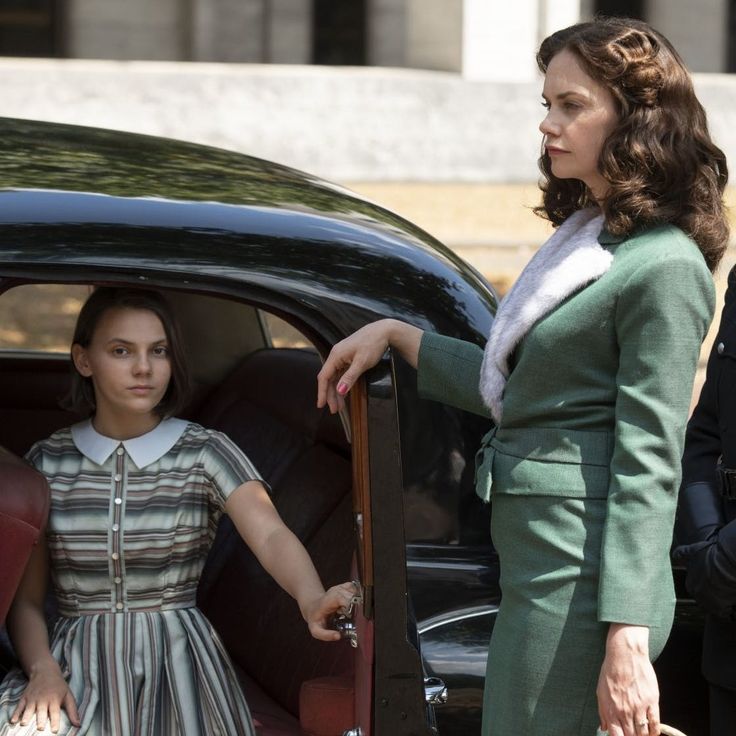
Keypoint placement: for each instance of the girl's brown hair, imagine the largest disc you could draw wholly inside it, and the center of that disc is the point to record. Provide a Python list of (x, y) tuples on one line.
[(81, 396), (660, 162)]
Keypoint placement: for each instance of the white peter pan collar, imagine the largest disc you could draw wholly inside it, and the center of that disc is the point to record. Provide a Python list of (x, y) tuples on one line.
[(142, 450)]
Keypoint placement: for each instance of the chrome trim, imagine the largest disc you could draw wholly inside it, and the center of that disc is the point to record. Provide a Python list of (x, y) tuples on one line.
[(443, 619), (435, 691)]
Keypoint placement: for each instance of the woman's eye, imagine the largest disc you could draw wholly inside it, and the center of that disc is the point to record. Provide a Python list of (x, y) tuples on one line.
[(161, 351), (119, 351), (545, 105)]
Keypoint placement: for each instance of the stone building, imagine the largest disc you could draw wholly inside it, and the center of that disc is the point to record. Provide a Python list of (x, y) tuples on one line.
[(480, 39)]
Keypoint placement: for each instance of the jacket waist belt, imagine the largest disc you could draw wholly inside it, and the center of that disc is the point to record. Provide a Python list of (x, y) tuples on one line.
[(544, 461)]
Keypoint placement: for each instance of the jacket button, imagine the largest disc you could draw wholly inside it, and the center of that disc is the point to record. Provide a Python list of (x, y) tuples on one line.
[(720, 348)]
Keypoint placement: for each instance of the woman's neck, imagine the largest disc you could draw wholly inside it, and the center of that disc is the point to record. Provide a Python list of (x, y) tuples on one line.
[(124, 428)]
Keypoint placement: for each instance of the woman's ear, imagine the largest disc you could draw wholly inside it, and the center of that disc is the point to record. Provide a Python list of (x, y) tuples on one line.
[(79, 358)]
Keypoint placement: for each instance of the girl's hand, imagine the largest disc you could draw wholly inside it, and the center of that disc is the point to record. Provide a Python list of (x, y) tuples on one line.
[(45, 695), (317, 613), (628, 694)]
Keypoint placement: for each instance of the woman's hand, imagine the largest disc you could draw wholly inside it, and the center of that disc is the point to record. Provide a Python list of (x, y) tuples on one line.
[(317, 612), (628, 693), (44, 697), (354, 355)]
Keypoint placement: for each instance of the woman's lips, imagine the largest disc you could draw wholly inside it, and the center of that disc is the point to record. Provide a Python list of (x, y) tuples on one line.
[(552, 151), (141, 389)]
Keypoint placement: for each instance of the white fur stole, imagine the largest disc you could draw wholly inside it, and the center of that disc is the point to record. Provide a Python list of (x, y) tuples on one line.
[(570, 259)]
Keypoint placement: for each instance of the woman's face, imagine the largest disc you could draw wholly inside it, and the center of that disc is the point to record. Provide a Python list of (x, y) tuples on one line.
[(128, 362), (581, 114)]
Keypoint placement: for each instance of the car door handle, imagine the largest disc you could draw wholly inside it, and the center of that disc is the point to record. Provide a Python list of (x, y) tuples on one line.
[(435, 691), (344, 623), (347, 631)]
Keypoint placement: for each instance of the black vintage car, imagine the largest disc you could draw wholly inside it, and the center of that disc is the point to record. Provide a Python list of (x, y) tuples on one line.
[(267, 268)]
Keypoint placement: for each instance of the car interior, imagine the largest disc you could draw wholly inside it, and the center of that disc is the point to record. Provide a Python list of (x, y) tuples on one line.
[(255, 379)]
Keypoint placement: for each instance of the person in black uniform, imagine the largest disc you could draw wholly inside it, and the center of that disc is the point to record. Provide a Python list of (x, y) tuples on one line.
[(706, 528)]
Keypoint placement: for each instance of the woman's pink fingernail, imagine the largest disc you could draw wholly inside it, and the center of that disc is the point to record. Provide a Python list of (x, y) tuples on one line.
[(342, 388)]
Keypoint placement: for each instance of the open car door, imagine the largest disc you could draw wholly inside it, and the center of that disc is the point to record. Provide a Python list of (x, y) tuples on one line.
[(384, 620)]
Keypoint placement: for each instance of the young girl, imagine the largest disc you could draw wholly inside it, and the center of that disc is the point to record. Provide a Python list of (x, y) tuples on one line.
[(135, 499)]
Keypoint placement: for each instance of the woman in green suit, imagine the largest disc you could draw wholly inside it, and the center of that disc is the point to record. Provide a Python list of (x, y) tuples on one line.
[(587, 374)]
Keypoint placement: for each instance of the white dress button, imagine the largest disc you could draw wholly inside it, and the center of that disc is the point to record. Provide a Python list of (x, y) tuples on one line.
[(116, 527), (118, 501), (117, 580), (118, 477), (119, 606), (720, 348), (115, 556), (120, 451)]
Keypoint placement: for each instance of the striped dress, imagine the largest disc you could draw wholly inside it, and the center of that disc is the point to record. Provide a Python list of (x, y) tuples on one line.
[(129, 530)]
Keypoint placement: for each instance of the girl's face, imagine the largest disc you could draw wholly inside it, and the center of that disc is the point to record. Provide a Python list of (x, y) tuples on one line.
[(128, 362), (581, 115)]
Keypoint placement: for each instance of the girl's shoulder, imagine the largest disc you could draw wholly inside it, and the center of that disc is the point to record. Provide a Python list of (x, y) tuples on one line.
[(195, 436), (58, 445)]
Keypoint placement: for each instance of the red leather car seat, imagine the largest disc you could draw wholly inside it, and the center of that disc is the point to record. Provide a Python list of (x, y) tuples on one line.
[(24, 508)]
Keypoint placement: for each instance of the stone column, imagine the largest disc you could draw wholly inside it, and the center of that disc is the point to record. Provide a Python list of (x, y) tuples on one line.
[(434, 37), (387, 32), (228, 30), (698, 30), (290, 32), (500, 40), (135, 29)]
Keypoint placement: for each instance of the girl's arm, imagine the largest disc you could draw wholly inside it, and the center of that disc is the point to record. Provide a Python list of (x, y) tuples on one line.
[(283, 556), (47, 691)]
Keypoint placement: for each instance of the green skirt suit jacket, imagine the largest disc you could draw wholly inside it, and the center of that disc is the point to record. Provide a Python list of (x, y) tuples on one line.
[(583, 470)]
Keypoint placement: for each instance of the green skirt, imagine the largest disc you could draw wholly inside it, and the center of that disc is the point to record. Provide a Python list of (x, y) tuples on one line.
[(547, 645)]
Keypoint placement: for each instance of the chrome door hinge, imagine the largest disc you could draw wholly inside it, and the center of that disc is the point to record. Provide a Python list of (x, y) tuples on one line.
[(435, 691)]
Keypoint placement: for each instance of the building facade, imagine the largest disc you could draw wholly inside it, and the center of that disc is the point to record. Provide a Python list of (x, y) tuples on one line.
[(479, 39)]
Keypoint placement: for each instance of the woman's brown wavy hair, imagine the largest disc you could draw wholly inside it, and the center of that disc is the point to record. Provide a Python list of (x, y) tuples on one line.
[(660, 162)]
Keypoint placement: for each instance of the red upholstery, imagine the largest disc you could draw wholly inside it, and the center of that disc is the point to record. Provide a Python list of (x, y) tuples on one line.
[(24, 507), (269, 717), (327, 706)]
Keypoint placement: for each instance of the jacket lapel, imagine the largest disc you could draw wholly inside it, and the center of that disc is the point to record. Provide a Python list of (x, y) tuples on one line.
[(570, 259)]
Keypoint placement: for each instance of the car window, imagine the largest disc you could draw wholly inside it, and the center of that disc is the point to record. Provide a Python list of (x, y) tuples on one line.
[(281, 334), (40, 317), (438, 446)]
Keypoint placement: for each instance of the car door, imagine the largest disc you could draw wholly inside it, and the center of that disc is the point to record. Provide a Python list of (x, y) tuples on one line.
[(399, 707)]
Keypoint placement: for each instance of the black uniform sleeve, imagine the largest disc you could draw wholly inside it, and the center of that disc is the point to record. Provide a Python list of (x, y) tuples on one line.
[(705, 542)]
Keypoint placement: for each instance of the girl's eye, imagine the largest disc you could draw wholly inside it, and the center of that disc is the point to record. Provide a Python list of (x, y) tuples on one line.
[(161, 351), (545, 105), (119, 351)]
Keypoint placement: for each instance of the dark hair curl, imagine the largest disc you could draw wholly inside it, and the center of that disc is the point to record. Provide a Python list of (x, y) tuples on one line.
[(81, 396), (660, 162)]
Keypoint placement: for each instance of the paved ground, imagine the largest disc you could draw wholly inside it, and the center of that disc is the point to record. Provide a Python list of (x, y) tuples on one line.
[(493, 227)]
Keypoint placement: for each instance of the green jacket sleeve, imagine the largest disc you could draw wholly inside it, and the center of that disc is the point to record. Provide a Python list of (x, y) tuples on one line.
[(662, 315), (448, 370)]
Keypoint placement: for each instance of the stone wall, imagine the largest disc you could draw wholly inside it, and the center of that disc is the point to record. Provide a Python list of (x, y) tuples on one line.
[(341, 123)]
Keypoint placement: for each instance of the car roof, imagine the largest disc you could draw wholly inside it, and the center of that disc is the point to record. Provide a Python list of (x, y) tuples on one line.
[(117, 204)]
